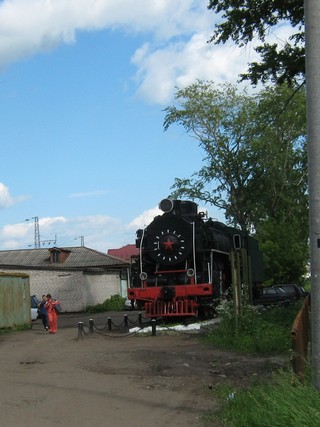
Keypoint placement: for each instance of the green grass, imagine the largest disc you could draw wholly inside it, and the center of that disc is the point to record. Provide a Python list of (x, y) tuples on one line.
[(279, 403), (16, 328), (266, 331)]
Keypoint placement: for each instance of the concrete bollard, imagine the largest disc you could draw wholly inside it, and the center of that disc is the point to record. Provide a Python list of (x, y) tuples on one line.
[(154, 327), (80, 329), (90, 326), (140, 320)]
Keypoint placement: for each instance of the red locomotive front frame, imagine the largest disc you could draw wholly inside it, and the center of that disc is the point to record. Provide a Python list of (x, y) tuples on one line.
[(170, 300)]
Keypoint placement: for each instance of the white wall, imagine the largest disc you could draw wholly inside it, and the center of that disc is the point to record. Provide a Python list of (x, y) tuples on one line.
[(75, 289), (99, 287)]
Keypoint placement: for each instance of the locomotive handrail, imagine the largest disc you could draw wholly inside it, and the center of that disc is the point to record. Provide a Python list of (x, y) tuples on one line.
[(140, 251), (217, 250), (169, 271), (194, 250)]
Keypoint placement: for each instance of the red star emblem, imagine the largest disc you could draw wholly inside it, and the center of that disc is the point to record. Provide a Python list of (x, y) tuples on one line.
[(168, 245)]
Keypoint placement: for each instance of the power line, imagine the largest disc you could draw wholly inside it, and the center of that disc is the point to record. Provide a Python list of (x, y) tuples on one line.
[(37, 241)]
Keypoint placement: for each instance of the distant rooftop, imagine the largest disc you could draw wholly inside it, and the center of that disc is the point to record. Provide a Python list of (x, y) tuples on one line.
[(64, 258), (125, 252)]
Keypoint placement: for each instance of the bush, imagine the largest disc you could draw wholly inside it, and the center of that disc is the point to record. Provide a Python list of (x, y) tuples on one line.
[(266, 331), (114, 303)]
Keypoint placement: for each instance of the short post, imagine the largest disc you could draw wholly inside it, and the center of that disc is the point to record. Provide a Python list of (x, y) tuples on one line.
[(80, 328), (109, 323), (90, 326), (125, 320), (154, 327), (140, 320)]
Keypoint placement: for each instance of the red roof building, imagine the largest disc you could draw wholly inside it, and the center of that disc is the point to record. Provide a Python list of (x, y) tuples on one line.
[(125, 253)]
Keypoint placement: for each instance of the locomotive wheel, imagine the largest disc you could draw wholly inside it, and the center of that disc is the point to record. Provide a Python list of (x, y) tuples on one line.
[(140, 305), (206, 312)]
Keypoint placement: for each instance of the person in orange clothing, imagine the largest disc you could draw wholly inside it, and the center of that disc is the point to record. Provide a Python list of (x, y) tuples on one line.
[(52, 314)]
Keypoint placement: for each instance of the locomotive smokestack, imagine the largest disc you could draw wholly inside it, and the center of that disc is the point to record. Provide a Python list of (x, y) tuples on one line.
[(166, 205), (178, 207)]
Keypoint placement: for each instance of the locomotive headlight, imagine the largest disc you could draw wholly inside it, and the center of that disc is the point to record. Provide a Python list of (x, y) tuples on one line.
[(143, 276), (190, 272)]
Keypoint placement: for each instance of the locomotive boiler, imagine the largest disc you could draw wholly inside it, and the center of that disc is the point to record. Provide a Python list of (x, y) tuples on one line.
[(187, 262)]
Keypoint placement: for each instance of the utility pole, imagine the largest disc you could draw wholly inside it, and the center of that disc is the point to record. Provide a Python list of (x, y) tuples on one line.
[(82, 240), (36, 232), (312, 33)]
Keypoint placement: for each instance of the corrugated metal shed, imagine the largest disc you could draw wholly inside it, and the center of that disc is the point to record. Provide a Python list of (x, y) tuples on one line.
[(14, 300)]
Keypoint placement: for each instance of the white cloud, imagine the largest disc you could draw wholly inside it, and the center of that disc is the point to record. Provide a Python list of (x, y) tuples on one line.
[(29, 27), (99, 232), (89, 194), (15, 231), (180, 64), (6, 199), (48, 222), (176, 54), (144, 219), (21, 235)]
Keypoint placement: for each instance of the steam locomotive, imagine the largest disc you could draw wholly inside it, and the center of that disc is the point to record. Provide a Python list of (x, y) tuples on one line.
[(187, 262)]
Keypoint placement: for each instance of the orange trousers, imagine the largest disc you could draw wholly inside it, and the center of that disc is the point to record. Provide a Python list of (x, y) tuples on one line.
[(53, 321)]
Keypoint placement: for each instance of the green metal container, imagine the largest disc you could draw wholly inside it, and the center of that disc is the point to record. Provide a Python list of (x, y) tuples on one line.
[(14, 300)]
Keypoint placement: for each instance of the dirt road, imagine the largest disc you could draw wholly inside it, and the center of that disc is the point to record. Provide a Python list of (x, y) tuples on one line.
[(97, 380)]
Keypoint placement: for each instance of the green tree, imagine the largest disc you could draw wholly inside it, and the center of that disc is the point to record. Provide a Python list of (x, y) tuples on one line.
[(254, 165), (285, 247), (251, 20), (220, 119)]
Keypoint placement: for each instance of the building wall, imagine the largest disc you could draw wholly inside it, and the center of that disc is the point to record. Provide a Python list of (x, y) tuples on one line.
[(99, 287), (74, 289), (64, 286)]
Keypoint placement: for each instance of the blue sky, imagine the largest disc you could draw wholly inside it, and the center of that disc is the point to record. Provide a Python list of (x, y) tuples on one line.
[(83, 86)]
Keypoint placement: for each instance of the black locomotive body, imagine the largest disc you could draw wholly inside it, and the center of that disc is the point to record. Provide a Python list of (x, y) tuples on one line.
[(185, 263)]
